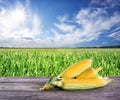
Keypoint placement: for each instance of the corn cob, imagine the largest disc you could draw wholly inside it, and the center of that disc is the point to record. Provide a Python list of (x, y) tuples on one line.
[(81, 84), (76, 69), (90, 73)]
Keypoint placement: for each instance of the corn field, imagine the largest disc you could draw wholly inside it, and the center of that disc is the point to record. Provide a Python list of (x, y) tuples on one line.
[(50, 62)]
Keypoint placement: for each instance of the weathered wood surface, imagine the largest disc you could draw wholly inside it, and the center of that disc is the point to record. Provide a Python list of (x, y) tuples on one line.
[(27, 88)]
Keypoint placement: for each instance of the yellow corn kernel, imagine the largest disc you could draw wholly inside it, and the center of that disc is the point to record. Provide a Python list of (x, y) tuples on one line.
[(76, 69), (90, 73)]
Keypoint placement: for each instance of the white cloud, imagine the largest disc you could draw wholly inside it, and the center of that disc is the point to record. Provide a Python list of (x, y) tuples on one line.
[(54, 31), (62, 19), (18, 23), (115, 35), (116, 29), (90, 24), (65, 27), (36, 25), (105, 3)]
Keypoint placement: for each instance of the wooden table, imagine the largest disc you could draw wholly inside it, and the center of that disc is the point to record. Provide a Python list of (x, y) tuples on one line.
[(27, 88)]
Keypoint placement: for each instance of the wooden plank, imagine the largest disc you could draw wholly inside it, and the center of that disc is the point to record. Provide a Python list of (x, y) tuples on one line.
[(27, 88), (22, 79), (20, 86)]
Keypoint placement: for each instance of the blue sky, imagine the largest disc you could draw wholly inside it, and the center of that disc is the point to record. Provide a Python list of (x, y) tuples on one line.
[(59, 23)]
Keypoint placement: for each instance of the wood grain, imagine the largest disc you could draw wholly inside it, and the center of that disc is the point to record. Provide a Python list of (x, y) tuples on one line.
[(27, 88)]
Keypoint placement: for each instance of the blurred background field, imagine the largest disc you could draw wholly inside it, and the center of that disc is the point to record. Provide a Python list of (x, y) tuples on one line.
[(50, 62)]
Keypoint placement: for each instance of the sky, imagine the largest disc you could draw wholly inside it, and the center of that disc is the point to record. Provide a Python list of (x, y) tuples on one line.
[(59, 23)]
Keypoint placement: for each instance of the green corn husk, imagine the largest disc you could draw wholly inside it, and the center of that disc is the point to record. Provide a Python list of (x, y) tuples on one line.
[(49, 85)]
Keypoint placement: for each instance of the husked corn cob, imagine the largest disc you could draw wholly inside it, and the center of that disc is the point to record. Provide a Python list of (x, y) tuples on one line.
[(90, 73), (80, 84), (76, 69)]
